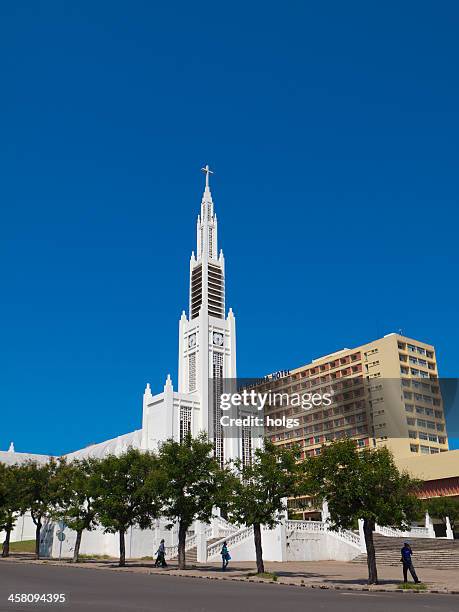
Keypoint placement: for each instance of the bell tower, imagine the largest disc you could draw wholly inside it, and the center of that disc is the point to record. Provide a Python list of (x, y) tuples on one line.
[(207, 336)]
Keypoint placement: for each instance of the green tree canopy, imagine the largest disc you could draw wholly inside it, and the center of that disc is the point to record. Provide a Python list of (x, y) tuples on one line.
[(10, 501), (190, 482), (363, 484), (38, 493), (260, 489), (121, 497), (75, 486)]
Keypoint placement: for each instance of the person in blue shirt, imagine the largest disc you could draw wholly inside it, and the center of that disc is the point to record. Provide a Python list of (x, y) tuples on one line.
[(225, 556), (408, 563)]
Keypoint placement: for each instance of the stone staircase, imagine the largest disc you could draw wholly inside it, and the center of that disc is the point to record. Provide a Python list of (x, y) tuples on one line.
[(427, 552), (191, 555)]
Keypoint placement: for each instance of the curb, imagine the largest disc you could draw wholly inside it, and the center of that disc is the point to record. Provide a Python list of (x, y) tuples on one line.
[(181, 574)]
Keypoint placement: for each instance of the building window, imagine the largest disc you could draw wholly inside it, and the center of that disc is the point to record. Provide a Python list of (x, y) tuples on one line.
[(217, 371), (192, 372), (211, 242), (185, 422), (246, 446)]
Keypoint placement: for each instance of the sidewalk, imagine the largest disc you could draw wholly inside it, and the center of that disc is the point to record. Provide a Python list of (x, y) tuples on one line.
[(313, 574)]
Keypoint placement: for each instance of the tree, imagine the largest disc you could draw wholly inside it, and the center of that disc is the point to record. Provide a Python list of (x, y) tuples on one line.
[(363, 484), (38, 494), (10, 501), (442, 507), (121, 497), (75, 487), (190, 481), (259, 490)]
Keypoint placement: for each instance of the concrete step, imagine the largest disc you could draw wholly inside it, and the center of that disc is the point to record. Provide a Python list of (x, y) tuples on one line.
[(435, 564), (427, 552), (191, 555), (382, 542)]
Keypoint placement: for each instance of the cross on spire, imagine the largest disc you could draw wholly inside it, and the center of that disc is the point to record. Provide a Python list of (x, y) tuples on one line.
[(207, 171)]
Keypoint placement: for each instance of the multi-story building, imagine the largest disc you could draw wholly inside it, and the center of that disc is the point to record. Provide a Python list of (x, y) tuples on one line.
[(385, 392)]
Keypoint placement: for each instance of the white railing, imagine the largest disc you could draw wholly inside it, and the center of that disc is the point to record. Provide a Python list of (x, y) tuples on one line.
[(223, 528), (172, 551), (232, 540), (413, 532), (347, 536), (307, 526), (322, 527)]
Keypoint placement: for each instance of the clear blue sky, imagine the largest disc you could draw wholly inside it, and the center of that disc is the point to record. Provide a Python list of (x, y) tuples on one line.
[(333, 131)]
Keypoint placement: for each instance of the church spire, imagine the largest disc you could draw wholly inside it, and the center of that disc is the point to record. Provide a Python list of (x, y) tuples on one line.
[(207, 288), (207, 171), (207, 223)]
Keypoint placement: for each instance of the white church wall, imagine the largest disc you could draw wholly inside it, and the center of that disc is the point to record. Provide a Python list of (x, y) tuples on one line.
[(139, 543), (303, 546), (24, 529), (94, 542)]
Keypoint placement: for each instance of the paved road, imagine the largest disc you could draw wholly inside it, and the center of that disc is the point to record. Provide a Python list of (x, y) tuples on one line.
[(107, 591)]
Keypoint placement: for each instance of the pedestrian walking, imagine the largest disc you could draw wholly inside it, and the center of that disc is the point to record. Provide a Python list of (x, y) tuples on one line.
[(226, 557), (408, 563), (161, 555)]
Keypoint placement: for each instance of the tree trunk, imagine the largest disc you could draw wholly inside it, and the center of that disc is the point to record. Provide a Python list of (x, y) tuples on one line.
[(122, 562), (6, 544), (37, 538), (76, 550), (181, 546), (258, 548), (371, 555)]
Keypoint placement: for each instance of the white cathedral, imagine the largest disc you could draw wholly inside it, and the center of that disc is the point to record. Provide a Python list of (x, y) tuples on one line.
[(207, 366)]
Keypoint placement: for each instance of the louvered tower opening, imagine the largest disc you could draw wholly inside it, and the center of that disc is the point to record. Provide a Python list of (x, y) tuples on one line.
[(216, 291), (196, 291)]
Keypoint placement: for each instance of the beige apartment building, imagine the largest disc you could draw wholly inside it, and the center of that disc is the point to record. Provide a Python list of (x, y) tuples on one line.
[(385, 392)]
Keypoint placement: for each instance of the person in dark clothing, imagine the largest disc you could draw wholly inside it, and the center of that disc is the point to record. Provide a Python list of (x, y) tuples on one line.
[(408, 563), (161, 555), (225, 556)]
